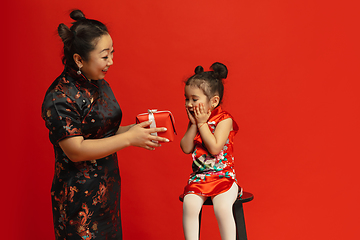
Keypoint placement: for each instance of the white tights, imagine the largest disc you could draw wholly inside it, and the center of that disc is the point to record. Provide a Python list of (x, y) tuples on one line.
[(222, 203)]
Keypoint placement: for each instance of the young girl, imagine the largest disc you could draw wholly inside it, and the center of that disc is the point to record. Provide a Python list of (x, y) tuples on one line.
[(209, 138)]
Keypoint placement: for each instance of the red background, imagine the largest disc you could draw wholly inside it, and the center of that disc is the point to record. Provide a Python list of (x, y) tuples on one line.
[(292, 87)]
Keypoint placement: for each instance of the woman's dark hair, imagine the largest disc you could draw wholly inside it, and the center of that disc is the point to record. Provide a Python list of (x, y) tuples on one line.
[(81, 38), (210, 82)]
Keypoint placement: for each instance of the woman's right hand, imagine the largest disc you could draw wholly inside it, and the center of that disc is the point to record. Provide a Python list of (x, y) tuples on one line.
[(140, 136)]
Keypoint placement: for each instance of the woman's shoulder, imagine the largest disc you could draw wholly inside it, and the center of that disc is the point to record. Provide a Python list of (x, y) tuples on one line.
[(62, 89), (61, 84)]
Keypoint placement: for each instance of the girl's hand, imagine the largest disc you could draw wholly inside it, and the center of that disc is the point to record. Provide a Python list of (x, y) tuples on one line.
[(201, 115), (141, 136), (190, 116)]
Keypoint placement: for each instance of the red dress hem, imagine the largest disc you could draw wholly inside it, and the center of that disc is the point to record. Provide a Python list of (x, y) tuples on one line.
[(212, 189)]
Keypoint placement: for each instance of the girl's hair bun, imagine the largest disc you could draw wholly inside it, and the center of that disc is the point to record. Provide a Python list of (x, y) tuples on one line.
[(210, 82), (199, 69), (220, 70), (77, 15)]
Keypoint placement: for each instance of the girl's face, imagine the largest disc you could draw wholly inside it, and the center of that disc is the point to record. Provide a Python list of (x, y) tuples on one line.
[(194, 96), (100, 59)]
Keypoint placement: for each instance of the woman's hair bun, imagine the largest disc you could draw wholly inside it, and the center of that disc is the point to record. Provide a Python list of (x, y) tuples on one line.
[(199, 69), (64, 32), (220, 70), (77, 15)]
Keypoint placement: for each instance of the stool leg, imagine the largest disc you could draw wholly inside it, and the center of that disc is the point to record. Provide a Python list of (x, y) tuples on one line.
[(240, 221)]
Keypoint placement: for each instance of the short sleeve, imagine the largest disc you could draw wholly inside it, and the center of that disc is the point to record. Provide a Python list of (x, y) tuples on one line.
[(61, 116)]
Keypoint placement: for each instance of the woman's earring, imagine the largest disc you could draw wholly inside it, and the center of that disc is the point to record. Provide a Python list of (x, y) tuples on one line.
[(79, 71)]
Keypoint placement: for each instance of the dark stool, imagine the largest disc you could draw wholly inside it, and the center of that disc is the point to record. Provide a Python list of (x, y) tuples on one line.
[(238, 212)]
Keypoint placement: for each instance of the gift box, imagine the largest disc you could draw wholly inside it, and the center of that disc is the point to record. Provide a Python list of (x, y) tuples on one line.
[(159, 119)]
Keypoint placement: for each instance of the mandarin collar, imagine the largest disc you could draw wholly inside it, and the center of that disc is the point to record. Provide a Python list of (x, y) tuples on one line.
[(81, 79), (215, 112)]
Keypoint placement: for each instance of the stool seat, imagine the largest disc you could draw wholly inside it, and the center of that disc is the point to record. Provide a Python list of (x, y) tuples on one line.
[(238, 213), (246, 197)]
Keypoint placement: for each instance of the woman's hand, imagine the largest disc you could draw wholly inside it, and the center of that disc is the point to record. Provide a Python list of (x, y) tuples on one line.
[(201, 115), (140, 136), (123, 129), (79, 149)]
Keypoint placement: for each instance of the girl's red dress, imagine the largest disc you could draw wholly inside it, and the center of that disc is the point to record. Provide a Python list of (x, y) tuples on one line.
[(213, 174)]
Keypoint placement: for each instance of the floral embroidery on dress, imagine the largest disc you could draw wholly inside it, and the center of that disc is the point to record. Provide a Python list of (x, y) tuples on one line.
[(210, 165), (82, 224)]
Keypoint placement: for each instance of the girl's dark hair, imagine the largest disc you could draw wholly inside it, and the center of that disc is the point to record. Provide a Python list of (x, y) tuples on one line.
[(80, 38), (210, 82)]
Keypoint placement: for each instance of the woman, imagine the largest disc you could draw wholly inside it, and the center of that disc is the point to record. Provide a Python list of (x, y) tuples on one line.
[(83, 118)]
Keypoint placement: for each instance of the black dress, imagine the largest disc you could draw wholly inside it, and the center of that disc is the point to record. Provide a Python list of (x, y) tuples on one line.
[(85, 195)]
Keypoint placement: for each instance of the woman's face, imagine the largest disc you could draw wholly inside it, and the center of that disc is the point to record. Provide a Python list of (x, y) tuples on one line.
[(100, 59)]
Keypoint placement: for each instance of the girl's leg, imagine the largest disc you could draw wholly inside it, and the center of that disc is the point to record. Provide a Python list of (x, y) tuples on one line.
[(223, 208), (192, 205)]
